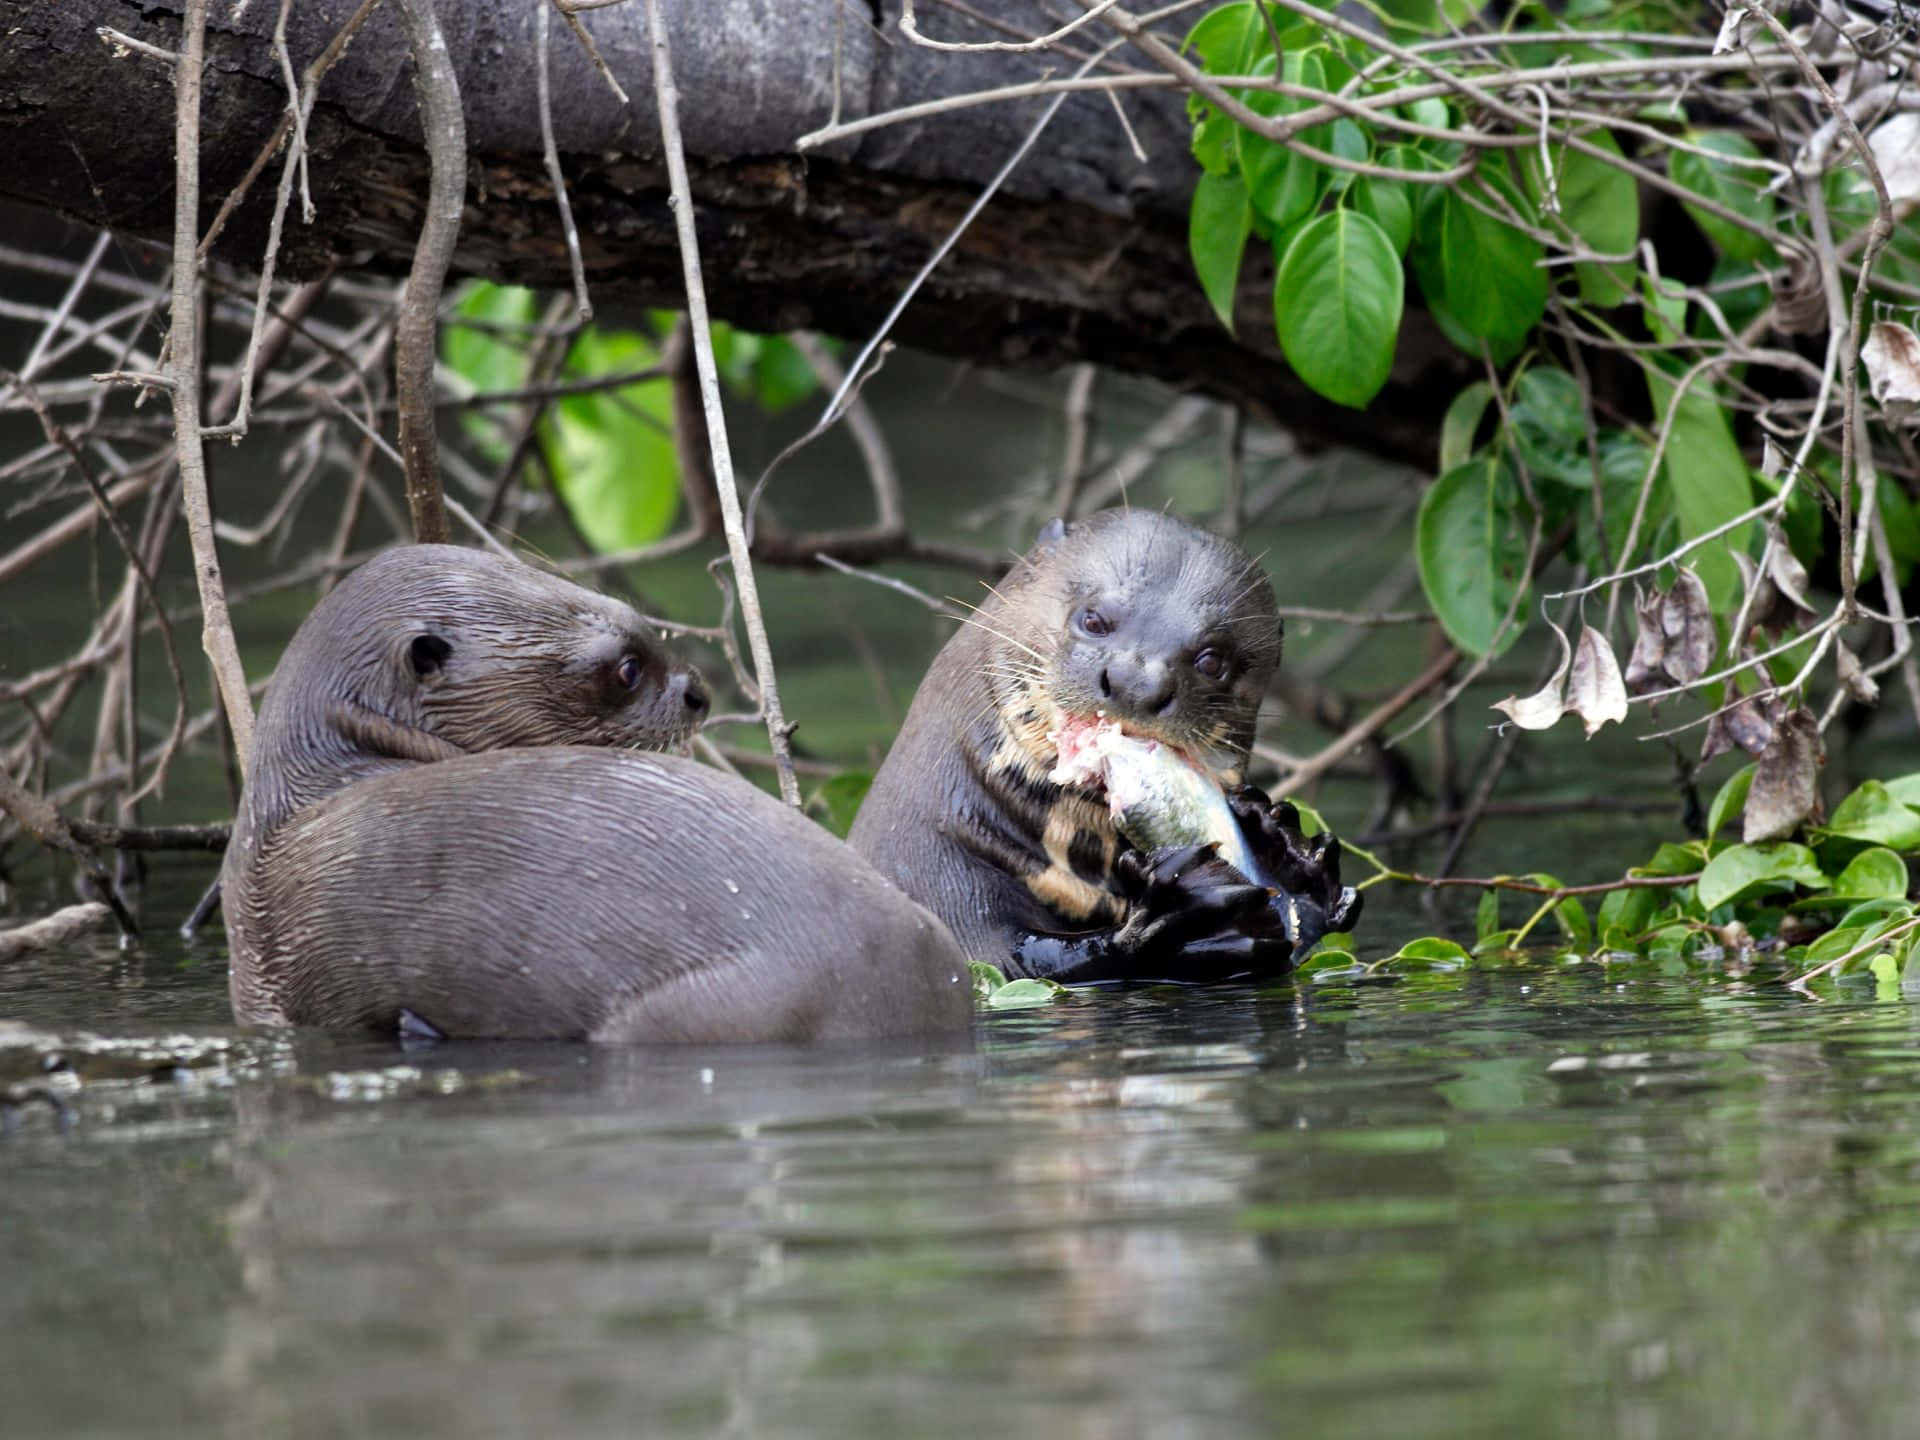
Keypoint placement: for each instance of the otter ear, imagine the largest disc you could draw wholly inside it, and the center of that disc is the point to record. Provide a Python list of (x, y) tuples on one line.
[(426, 654), (1051, 534)]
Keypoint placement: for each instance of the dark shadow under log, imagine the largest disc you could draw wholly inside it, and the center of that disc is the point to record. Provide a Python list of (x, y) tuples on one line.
[(1083, 256)]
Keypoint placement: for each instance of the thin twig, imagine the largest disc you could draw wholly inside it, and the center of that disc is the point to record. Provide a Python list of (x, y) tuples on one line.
[(416, 331), (216, 632), (778, 732)]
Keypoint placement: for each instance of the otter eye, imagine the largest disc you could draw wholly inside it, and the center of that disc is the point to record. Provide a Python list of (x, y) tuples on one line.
[(1212, 663), (1092, 622), (426, 654), (630, 672)]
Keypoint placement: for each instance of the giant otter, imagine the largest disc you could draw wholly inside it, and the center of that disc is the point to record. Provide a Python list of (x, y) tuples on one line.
[(1172, 632), (396, 864)]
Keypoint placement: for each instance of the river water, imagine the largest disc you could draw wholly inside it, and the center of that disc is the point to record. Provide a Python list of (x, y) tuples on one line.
[(1557, 1200), (1546, 1199)]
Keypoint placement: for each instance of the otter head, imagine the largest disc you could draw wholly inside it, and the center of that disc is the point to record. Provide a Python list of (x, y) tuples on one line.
[(428, 651), (1141, 618)]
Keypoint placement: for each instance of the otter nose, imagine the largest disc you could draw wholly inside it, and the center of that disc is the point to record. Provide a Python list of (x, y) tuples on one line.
[(693, 694), (1137, 686)]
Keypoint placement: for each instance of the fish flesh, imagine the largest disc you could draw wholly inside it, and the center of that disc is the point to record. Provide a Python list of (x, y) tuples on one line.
[(1156, 795)]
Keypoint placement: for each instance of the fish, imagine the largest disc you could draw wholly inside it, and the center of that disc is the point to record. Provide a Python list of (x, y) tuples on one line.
[(1157, 796)]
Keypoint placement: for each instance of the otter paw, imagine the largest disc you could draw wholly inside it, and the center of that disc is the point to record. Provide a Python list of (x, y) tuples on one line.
[(1307, 871), (1185, 899)]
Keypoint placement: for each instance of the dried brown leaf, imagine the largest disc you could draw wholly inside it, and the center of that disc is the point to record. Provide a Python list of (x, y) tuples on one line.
[(1540, 709), (1892, 358), (1595, 691), (1896, 150), (1860, 685), (1647, 665), (1785, 791), (1686, 621), (1799, 300)]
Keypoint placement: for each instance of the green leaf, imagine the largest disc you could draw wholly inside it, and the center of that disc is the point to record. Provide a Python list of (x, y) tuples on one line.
[(1490, 274), (1229, 41), (766, 367), (1340, 315), (1623, 470), (1282, 183), (1730, 801), (1549, 426), (1708, 479), (1886, 976), (1739, 188), (1569, 914), (1905, 789), (1871, 813), (838, 799), (488, 362), (1025, 994), (1876, 874), (1217, 230), (1486, 915), (1742, 870), (1432, 950), (1599, 204), (986, 979), (1472, 548), (1625, 913), (1388, 205), (1671, 859), (612, 452), (1462, 422)]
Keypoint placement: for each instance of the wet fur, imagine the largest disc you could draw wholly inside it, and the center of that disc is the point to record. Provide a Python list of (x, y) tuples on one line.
[(445, 815), (962, 815)]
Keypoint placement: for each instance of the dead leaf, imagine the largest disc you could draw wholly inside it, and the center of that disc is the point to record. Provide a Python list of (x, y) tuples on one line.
[(1646, 666), (1595, 691), (1785, 790), (1799, 299), (1860, 685), (1789, 576), (1736, 28), (1896, 150), (1686, 620), (1892, 358), (1540, 709)]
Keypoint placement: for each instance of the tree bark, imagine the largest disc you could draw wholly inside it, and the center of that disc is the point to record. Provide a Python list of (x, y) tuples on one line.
[(1082, 256)]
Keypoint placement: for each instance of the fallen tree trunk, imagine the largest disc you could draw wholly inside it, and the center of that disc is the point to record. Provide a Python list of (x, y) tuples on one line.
[(1081, 256)]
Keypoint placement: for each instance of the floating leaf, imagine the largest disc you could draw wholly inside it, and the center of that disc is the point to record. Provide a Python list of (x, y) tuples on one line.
[(1785, 780), (1892, 357), (1025, 994), (986, 978), (1749, 869), (1540, 709), (1595, 691)]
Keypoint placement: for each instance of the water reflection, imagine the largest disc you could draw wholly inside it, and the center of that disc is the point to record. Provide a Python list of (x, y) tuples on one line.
[(1541, 1203)]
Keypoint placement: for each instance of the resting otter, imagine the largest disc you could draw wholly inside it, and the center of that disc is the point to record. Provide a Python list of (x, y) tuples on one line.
[(1169, 630), (394, 863)]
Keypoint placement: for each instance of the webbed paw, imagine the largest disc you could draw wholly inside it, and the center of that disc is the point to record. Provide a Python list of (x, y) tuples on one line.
[(1306, 871), (1187, 905)]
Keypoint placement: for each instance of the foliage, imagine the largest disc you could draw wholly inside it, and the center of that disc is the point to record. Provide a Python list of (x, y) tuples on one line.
[(1834, 904), (1563, 209), (610, 450)]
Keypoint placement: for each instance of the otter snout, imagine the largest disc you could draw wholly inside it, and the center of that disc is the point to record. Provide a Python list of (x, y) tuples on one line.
[(1139, 686), (692, 691)]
